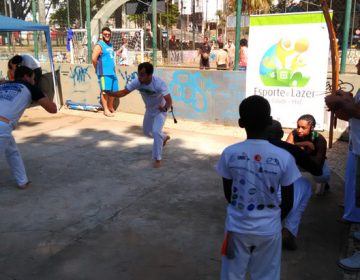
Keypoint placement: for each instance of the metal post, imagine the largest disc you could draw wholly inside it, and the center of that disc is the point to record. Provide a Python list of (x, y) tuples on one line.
[(181, 28), (7, 33), (193, 22), (167, 30), (205, 33), (237, 37), (88, 30), (81, 18), (154, 30), (68, 13), (345, 39), (34, 10)]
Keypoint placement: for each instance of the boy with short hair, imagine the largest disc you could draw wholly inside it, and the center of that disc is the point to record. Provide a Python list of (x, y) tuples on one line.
[(253, 171)]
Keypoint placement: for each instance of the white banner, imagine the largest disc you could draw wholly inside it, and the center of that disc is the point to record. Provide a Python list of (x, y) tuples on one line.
[(287, 64)]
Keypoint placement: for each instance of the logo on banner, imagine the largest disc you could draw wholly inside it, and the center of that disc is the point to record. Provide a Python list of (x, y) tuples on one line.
[(283, 63)]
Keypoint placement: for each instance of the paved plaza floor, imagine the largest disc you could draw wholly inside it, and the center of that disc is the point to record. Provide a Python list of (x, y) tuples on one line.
[(97, 209)]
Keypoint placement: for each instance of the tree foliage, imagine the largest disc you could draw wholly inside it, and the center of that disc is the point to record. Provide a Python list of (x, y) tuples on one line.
[(20, 9), (250, 6), (60, 15), (168, 18)]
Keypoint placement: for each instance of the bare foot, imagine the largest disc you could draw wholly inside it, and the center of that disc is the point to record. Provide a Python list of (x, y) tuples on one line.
[(112, 110), (108, 114), (25, 186), (167, 138), (157, 164)]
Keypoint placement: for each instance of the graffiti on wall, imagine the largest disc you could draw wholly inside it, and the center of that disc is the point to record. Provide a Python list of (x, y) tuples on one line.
[(191, 88), (176, 56), (127, 77), (79, 74)]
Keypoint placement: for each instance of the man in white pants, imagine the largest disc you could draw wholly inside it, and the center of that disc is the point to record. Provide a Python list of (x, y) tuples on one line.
[(15, 97), (157, 101), (347, 108)]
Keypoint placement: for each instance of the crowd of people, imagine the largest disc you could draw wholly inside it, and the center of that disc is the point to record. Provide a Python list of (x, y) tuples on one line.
[(225, 55), (263, 185)]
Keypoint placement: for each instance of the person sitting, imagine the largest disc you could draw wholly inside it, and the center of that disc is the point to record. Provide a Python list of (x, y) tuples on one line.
[(301, 187), (312, 142)]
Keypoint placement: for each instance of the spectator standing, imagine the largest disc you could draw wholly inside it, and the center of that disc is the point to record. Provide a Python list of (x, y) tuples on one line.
[(222, 58), (243, 54), (15, 97), (123, 53), (204, 51), (103, 60), (252, 172), (347, 107), (231, 51)]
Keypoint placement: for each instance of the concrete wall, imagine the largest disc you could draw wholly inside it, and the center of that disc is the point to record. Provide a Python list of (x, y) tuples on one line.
[(209, 96)]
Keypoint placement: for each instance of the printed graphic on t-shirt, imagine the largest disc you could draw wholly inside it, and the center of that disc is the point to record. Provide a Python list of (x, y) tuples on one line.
[(147, 92), (250, 190), (9, 91)]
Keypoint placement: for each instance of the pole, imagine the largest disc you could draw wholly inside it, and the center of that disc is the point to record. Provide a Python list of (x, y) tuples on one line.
[(206, 18), (81, 18), (193, 21), (181, 29), (237, 37), (34, 12), (7, 33), (167, 30), (68, 13), (154, 31), (344, 45), (88, 30)]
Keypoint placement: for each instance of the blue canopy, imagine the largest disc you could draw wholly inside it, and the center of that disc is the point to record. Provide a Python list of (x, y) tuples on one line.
[(13, 24), (8, 24)]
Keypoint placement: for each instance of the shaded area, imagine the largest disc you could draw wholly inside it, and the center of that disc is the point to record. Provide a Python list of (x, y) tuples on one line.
[(98, 210)]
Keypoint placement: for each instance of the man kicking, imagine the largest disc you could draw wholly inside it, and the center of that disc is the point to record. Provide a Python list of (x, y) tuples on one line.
[(157, 101)]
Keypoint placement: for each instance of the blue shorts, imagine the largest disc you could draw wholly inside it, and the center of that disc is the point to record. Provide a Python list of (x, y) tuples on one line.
[(108, 83)]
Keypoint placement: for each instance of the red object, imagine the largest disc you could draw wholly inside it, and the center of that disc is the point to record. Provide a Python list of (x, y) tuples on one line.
[(225, 245)]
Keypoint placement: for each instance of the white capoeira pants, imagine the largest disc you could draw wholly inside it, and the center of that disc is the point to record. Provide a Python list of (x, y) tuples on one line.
[(302, 194), (259, 256), (152, 126), (9, 148), (352, 188)]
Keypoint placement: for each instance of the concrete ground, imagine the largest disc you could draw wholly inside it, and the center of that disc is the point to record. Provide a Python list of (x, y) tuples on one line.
[(97, 209)]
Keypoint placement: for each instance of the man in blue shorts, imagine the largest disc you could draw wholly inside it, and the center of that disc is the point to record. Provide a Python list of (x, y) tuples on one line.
[(104, 63)]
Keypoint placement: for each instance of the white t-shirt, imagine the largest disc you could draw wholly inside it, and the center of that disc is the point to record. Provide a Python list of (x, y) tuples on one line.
[(152, 94), (124, 56), (355, 130), (15, 97), (30, 61), (257, 169)]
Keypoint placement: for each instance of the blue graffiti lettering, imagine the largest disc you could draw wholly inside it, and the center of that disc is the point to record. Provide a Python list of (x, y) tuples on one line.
[(128, 77), (185, 87), (79, 74)]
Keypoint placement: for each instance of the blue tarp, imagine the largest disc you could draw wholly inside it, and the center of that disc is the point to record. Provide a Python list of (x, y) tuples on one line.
[(8, 24), (13, 24)]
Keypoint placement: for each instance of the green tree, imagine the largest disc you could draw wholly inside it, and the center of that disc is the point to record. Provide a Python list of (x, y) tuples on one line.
[(250, 6), (169, 17), (60, 14)]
